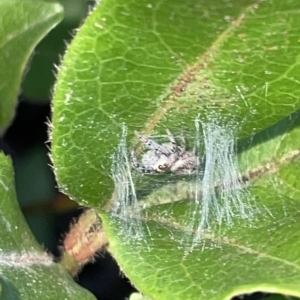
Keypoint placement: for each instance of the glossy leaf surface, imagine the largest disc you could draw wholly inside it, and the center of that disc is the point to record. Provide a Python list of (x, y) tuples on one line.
[(162, 65)]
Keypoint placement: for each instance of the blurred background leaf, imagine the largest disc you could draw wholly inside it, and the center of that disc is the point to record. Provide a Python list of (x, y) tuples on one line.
[(24, 24), (27, 271), (40, 76)]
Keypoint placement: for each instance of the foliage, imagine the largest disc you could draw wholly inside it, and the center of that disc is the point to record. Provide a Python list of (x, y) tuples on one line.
[(27, 271), (20, 32), (149, 66), (156, 65)]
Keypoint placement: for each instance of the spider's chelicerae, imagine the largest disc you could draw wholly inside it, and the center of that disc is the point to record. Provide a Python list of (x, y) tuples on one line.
[(166, 157)]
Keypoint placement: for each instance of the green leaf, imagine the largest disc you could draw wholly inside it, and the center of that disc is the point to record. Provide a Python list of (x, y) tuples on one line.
[(129, 62), (256, 253), (162, 65), (23, 25), (48, 52), (27, 271)]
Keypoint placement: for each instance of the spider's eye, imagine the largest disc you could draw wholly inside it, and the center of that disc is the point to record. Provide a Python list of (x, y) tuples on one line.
[(162, 167)]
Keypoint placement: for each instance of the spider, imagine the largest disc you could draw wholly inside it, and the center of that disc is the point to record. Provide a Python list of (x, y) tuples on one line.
[(166, 157)]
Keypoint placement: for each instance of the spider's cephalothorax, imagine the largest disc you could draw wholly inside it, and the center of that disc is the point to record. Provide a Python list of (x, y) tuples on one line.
[(166, 157)]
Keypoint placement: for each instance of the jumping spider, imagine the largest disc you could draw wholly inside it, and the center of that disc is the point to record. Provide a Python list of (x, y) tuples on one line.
[(166, 157)]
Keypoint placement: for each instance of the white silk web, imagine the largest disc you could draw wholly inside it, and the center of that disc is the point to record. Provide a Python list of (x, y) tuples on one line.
[(217, 194), (220, 194), (125, 202)]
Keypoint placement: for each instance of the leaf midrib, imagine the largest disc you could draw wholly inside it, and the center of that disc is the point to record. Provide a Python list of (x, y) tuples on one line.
[(187, 75)]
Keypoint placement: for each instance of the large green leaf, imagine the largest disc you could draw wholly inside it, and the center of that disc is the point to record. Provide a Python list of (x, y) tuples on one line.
[(146, 66), (23, 25), (26, 270), (256, 253), (129, 62)]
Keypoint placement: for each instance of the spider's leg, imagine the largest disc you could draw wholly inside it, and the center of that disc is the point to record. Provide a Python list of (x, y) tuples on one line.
[(139, 167), (183, 144), (194, 150), (172, 140), (153, 145)]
